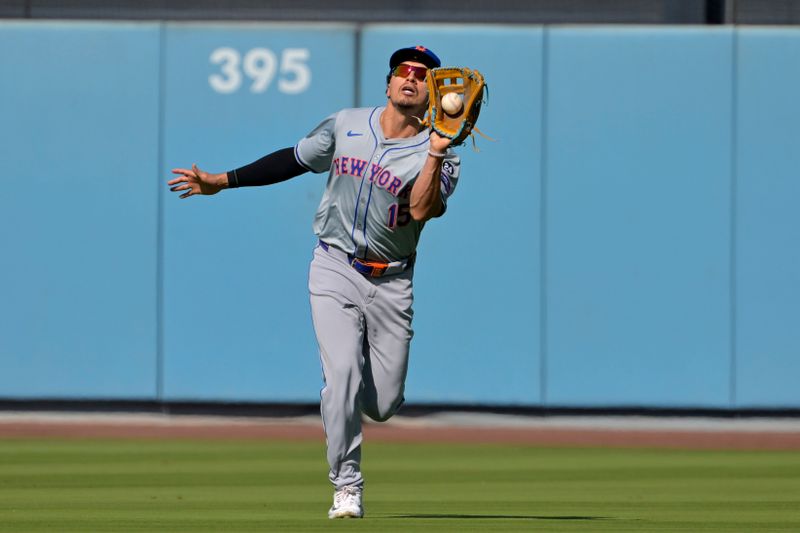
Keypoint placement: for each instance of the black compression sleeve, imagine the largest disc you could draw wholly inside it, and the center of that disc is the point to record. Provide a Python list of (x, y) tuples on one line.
[(273, 168)]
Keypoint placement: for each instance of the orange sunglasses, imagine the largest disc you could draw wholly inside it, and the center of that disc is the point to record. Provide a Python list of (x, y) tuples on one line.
[(402, 70)]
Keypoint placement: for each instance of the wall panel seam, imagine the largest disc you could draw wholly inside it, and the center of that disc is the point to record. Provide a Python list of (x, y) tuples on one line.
[(543, 223), (160, 135), (733, 214)]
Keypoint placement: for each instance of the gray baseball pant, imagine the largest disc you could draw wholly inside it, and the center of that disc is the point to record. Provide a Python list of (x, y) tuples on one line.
[(363, 328)]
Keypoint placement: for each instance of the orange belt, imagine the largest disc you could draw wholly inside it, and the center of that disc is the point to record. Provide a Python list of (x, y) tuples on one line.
[(373, 269)]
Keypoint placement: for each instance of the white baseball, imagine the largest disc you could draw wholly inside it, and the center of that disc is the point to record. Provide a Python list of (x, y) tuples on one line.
[(452, 103)]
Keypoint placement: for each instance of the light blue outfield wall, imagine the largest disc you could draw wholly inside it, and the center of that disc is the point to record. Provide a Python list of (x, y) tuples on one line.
[(78, 209), (768, 218), (236, 314), (638, 170), (630, 239)]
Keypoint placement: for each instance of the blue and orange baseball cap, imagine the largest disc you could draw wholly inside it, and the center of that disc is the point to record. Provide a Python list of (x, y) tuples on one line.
[(419, 54)]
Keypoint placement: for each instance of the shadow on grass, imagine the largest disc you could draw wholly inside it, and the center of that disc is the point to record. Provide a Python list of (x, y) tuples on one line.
[(497, 516)]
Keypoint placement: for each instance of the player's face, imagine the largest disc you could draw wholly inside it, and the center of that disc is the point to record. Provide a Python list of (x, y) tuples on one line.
[(407, 87)]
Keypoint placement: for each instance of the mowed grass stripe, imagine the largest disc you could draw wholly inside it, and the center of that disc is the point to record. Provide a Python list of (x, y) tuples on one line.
[(191, 486)]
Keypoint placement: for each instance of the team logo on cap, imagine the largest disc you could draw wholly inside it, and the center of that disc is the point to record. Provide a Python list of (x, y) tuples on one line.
[(421, 48)]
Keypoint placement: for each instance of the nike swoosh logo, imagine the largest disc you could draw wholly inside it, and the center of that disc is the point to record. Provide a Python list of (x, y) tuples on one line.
[(351, 133)]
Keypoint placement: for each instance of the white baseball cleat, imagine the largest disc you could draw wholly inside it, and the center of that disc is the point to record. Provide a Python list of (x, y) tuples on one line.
[(346, 503)]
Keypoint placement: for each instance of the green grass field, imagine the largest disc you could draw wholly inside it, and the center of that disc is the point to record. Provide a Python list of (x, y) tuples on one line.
[(183, 486)]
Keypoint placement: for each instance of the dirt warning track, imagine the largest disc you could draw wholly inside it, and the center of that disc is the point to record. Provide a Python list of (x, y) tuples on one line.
[(586, 432)]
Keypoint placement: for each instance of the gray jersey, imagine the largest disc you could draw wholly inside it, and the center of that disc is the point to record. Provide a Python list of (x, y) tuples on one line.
[(365, 208)]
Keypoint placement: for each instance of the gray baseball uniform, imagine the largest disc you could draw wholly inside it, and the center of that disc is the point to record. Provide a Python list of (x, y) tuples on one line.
[(362, 313)]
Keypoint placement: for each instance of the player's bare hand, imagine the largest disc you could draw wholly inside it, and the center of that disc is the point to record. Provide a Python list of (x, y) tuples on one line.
[(438, 143), (196, 181)]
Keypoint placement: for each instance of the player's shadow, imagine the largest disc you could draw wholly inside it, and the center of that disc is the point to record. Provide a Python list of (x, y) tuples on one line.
[(496, 516)]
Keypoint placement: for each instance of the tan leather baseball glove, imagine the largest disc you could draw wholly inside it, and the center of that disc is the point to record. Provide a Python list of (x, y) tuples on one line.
[(467, 85)]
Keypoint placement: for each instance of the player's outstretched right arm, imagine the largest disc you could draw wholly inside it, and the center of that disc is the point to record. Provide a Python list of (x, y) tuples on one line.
[(273, 168)]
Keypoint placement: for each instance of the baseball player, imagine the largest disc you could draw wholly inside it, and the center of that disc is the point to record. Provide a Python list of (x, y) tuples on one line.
[(387, 176)]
